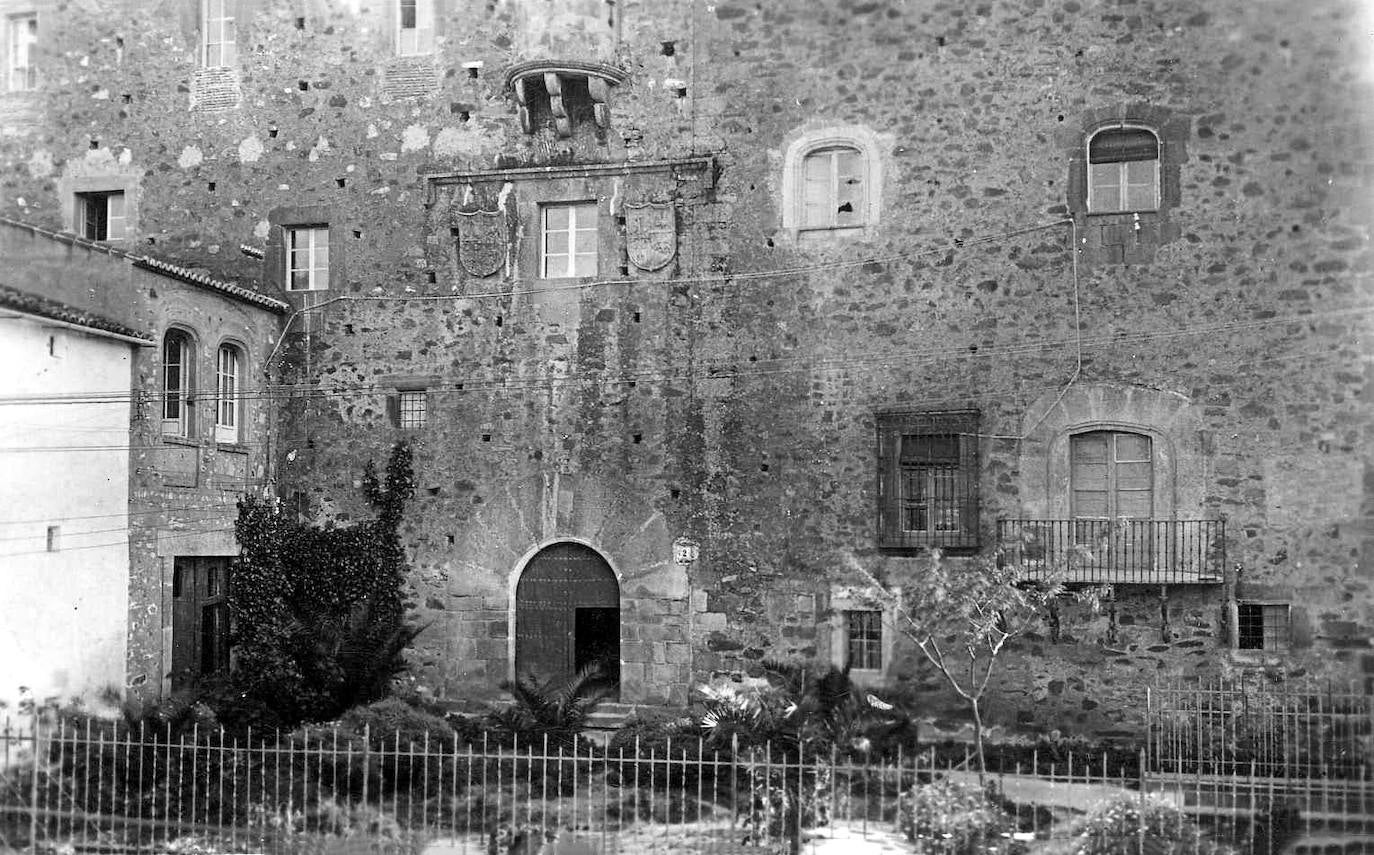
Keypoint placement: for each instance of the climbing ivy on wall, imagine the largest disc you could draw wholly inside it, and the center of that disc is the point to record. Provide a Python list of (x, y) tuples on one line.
[(319, 622)]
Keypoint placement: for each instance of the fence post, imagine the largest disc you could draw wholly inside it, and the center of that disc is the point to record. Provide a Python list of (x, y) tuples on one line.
[(33, 784)]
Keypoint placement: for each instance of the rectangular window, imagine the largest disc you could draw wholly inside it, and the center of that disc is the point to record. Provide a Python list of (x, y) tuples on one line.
[(21, 41), (928, 479), (307, 263), (101, 216), (219, 36), (1263, 626), (864, 634), (411, 409), (569, 244), (833, 189), (176, 383), (414, 27), (227, 395)]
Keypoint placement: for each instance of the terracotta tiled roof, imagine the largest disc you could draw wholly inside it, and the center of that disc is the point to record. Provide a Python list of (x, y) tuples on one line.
[(43, 307), (164, 268)]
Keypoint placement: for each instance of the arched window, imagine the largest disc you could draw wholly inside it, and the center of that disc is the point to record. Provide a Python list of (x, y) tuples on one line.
[(177, 379), (1123, 170), (833, 189), (832, 183), (228, 394)]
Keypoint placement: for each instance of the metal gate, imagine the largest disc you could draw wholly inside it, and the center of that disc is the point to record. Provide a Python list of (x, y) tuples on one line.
[(567, 614)]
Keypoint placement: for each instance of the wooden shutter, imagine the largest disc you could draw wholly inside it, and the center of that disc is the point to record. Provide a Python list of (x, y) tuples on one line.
[(1299, 627), (889, 494), (424, 26), (393, 409)]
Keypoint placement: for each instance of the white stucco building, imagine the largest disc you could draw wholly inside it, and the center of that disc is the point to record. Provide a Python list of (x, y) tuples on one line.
[(64, 497)]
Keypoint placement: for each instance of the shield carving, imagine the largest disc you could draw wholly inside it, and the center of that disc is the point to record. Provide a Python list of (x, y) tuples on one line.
[(651, 232), (482, 241)]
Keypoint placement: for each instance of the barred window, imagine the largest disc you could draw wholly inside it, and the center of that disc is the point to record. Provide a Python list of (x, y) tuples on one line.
[(864, 633), (1263, 626), (928, 479), (411, 409)]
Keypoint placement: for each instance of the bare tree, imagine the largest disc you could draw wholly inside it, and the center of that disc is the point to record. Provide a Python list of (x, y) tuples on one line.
[(961, 618)]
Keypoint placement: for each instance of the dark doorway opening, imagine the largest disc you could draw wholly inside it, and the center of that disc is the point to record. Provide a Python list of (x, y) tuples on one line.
[(596, 641), (200, 618)]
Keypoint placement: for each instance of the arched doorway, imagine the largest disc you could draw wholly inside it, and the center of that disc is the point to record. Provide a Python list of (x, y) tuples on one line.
[(567, 614)]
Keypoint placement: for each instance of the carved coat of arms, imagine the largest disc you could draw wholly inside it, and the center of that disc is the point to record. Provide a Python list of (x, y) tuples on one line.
[(651, 234), (482, 241)]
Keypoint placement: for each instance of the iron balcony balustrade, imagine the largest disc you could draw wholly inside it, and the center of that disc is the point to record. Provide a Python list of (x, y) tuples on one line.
[(1120, 551)]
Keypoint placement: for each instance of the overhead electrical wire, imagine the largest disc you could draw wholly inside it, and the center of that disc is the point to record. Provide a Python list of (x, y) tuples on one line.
[(730, 369)]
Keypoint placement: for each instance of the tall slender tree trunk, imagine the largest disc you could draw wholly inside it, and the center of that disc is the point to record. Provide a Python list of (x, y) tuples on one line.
[(978, 743)]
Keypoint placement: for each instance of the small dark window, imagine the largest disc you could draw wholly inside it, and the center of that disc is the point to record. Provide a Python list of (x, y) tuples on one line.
[(101, 216), (864, 634), (1262, 626)]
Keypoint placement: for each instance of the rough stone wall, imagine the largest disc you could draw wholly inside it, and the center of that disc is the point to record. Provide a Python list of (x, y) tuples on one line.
[(740, 412)]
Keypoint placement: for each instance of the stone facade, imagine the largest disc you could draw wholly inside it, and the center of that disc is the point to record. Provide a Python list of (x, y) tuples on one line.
[(730, 398)]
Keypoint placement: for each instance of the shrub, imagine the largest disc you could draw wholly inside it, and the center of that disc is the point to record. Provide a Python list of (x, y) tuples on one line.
[(1148, 826), (391, 720), (946, 818)]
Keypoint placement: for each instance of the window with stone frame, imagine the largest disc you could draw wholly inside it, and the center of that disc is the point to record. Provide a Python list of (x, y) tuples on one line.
[(414, 27), (1263, 626), (864, 638), (102, 215), (21, 44), (569, 240), (833, 189), (1123, 170), (928, 480), (178, 355), (218, 34), (228, 394), (307, 258)]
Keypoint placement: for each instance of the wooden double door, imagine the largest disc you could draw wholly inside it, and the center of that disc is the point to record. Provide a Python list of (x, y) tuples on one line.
[(1113, 499), (567, 615), (200, 617)]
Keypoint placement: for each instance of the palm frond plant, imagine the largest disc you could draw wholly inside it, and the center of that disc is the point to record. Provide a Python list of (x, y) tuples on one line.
[(556, 710)]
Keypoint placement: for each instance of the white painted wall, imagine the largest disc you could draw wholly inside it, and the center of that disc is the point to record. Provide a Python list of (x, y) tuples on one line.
[(62, 613)]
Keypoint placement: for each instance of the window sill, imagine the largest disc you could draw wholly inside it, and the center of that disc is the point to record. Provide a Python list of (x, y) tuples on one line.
[(868, 678), (172, 439), (231, 447)]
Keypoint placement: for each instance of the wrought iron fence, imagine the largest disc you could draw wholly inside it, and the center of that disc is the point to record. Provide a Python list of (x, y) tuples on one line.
[(1252, 726), (1117, 551), (109, 787)]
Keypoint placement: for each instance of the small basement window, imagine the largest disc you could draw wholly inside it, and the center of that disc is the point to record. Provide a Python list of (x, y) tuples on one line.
[(412, 409), (1263, 626)]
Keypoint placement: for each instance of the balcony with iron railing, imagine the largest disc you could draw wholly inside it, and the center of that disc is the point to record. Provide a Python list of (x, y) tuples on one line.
[(1112, 552)]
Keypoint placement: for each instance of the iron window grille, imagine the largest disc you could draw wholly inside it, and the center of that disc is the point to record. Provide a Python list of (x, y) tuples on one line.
[(1263, 626), (928, 480), (411, 409)]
